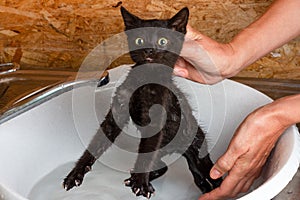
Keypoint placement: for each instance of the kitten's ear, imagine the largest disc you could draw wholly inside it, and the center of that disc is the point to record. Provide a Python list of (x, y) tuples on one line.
[(180, 20), (131, 21)]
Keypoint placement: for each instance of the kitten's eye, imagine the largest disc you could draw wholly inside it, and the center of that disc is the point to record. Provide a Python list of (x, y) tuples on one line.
[(139, 41), (162, 41)]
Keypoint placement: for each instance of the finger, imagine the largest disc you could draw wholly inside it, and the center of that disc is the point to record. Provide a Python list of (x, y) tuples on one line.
[(192, 34), (247, 185), (184, 69), (226, 189), (223, 164), (240, 187), (229, 159), (217, 194), (214, 194), (251, 180), (180, 68), (180, 71)]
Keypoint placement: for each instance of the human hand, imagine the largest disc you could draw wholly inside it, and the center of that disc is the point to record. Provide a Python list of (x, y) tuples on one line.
[(204, 60), (248, 151)]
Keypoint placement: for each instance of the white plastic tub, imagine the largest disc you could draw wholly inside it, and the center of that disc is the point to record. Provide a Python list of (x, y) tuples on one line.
[(39, 146)]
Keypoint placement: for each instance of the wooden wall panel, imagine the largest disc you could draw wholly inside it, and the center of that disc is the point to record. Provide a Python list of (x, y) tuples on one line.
[(57, 34)]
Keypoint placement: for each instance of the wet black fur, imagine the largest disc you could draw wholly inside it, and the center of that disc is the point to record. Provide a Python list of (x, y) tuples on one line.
[(178, 115)]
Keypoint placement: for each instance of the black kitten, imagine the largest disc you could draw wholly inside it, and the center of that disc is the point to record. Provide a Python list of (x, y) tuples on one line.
[(154, 46)]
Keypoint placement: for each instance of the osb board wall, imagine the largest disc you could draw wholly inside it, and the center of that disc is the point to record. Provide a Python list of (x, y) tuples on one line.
[(58, 34)]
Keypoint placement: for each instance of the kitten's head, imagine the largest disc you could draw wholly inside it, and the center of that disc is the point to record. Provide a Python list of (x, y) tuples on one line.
[(155, 41)]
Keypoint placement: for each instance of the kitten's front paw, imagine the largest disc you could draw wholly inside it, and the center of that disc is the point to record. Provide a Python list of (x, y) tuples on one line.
[(75, 178), (139, 186)]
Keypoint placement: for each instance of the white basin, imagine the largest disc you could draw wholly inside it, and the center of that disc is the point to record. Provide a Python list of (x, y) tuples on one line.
[(40, 145)]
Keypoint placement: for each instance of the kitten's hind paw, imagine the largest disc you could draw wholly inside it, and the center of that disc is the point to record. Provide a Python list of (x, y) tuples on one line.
[(75, 178), (139, 187)]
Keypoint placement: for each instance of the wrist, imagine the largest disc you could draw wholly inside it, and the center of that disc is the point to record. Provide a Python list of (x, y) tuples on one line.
[(244, 52), (287, 110), (267, 121), (280, 114), (230, 60)]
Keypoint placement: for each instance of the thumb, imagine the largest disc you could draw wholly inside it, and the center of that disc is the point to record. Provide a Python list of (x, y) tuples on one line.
[(180, 68), (223, 165)]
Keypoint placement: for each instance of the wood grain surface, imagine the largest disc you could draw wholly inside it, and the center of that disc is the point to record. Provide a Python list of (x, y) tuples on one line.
[(58, 34)]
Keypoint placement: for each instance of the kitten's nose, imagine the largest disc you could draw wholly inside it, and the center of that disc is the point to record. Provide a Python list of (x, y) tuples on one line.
[(149, 51)]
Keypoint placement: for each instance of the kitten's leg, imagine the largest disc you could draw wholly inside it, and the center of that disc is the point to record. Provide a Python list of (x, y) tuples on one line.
[(148, 167), (200, 164), (103, 139)]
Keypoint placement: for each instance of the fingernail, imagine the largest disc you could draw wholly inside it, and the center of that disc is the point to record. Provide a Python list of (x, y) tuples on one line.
[(214, 174)]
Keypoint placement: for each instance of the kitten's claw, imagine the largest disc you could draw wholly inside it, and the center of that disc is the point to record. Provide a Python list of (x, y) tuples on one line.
[(88, 168), (137, 191), (77, 183), (65, 187), (148, 195), (139, 186), (127, 182)]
